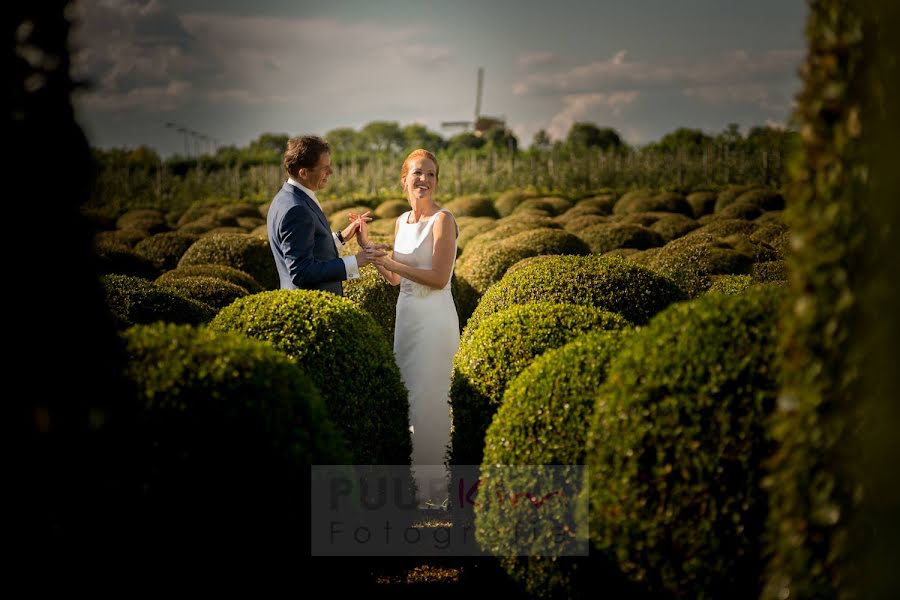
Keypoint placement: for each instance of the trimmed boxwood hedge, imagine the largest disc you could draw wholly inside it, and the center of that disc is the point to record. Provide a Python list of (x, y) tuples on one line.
[(497, 351), (639, 201), (122, 237), (344, 352), (769, 272), (672, 226), (147, 219), (740, 210), (391, 209), (553, 206), (610, 283), (230, 274), (508, 201), (377, 297), (729, 196), (164, 250), (702, 203), (238, 250), (227, 431), (490, 264), (469, 227), (691, 260), (729, 284), (762, 198), (609, 236), (134, 301), (677, 447), (212, 291), (111, 258), (475, 205), (544, 419)]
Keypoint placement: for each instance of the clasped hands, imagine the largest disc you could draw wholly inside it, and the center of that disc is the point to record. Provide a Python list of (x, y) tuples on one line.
[(370, 253)]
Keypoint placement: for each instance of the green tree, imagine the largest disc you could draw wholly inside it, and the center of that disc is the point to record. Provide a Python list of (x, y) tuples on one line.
[(501, 138), (416, 136), (383, 136), (692, 140), (588, 135), (344, 140), (465, 141), (541, 140)]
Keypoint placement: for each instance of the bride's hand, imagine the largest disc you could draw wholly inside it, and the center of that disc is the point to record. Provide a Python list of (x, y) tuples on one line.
[(362, 231)]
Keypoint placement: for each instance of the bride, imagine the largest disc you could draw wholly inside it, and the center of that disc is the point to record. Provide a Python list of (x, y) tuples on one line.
[(426, 334)]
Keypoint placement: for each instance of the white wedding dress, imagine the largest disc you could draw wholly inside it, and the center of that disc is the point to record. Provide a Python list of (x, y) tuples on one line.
[(426, 337)]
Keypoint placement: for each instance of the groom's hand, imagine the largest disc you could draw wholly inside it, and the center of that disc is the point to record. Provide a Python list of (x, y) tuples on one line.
[(353, 227)]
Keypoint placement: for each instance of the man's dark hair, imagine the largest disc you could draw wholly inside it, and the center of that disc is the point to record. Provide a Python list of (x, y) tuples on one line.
[(303, 153)]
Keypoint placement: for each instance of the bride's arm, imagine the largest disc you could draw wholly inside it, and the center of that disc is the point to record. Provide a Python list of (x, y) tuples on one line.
[(442, 259)]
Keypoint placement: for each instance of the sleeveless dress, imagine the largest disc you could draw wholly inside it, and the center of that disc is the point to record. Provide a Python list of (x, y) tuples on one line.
[(426, 337)]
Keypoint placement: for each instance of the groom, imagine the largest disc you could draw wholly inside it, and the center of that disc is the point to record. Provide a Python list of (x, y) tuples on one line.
[(304, 247)]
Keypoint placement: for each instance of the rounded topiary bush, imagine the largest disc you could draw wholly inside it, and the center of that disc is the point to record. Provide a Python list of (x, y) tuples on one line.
[(544, 419), (702, 203), (498, 350), (250, 223), (489, 266), (372, 293), (192, 214), (212, 291), (582, 222), (164, 250), (758, 251), (553, 206), (230, 274), (677, 446), (762, 198), (772, 271), (345, 354), (224, 230), (391, 209), (469, 227), (227, 431), (605, 237), (240, 251), (673, 226), (330, 207), (508, 201), (740, 210), (507, 227), (729, 196), (642, 201), (119, 259), (134, 301), (339, 219), (691, 260), (475, 205), (580, 210), (237, 211), (724, 227), (147, 219), (610, 283), (121, 237), (729, 284)]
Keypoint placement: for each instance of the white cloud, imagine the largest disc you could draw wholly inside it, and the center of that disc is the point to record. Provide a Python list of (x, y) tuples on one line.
[(619, 72), (579, 106), (756, 94), (537, 59)]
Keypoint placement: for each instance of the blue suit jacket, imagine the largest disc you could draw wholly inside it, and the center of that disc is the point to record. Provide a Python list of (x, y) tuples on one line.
[(301, 242)]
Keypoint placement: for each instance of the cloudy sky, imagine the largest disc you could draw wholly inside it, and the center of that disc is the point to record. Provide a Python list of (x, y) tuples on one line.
[(232, 70)]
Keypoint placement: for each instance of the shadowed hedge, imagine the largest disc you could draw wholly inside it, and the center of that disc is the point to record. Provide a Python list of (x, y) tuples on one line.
[(230, 274), (134, 301), (240, 251), (211, 291)]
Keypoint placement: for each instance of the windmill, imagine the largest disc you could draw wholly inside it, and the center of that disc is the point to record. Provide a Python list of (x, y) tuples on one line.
[(481, 124)]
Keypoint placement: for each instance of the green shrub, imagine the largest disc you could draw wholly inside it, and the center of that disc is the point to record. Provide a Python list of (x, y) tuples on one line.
[(677, 446), (330, 207), (729, 196), (343, 351), (391, 209), (673, 226), (136, 301), (582, 222), (740, 210), (475, 205), (640, 201), (240, 251), (580, 210), (147, 219), (769, 271), (762, 198), (212, 291), (192, 214), (702, 203), (605, 237), (609, 283), (543, 420), (111, 258), (489, 266), (373, 294), (772, 217), (758, 251), (237, 211), (508, 201), (223, 230), (121, 237), (508, 227), (229, 274), (262, 232), (495, 352), (691, 260), (553, 206), (469, 227), (164, 250), (603, 202), (729, 284), (250, 223), (227, 431), (725, 227)]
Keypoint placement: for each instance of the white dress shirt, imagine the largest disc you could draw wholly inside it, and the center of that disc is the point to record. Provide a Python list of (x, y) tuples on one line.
[(350, 263)]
